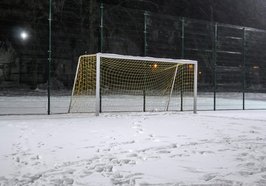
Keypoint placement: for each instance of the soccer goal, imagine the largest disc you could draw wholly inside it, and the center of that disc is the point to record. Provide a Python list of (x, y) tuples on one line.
[(111, 82)]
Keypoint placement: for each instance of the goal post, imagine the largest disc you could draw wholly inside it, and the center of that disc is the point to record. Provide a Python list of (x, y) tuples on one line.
[(111, 82)]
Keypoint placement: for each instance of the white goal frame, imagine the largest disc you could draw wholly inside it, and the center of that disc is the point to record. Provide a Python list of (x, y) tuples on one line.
[(137, 58)]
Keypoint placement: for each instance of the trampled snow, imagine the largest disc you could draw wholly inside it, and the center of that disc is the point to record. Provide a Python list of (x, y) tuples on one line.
[(166, 148)]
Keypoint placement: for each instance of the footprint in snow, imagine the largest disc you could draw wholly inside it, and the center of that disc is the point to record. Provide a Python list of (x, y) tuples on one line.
[(209, 177)]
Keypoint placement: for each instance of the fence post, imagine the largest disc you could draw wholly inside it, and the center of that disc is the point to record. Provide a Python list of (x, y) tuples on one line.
[(214, 56), (145, 53), (182, 56), (101, 46), (244, 66), (182, 37), (145, 32), (101, 26), (49, 59)]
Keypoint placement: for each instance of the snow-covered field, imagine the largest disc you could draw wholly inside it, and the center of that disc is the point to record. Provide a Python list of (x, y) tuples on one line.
[(221, 148)]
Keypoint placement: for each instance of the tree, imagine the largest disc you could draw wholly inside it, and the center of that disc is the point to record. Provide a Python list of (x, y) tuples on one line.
[(7, 57)]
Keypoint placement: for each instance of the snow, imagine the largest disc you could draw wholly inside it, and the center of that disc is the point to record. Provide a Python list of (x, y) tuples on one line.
[(144, 149)]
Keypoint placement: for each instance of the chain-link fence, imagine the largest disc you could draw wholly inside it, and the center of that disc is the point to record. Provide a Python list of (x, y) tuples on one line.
[(231, 58)]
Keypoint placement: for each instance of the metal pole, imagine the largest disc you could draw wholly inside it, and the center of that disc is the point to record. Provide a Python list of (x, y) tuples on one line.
[(244, 66), (144, 100), (183, 38), (101, 49), (145, 32), (101, 26), (50, 56), (182, 56), (145, 53), (214, 54)]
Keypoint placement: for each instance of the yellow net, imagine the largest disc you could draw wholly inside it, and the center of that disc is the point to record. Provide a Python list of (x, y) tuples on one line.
[(83, 93), (133, 85)]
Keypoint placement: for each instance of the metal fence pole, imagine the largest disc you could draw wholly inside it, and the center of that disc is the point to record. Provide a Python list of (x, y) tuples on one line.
[(244, 66), (214, 55), (101, 47), (50, 57), (145, 32), (182, 56), (101, 26), (145, 53), (183, 38)]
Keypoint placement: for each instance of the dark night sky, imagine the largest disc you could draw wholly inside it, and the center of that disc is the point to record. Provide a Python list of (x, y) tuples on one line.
[(251, 13)]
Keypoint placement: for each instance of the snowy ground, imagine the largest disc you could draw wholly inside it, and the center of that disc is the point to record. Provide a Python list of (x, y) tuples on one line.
[(221, 148)]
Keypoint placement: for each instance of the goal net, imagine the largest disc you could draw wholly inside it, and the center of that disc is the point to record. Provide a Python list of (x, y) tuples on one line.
[(111, 82)]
